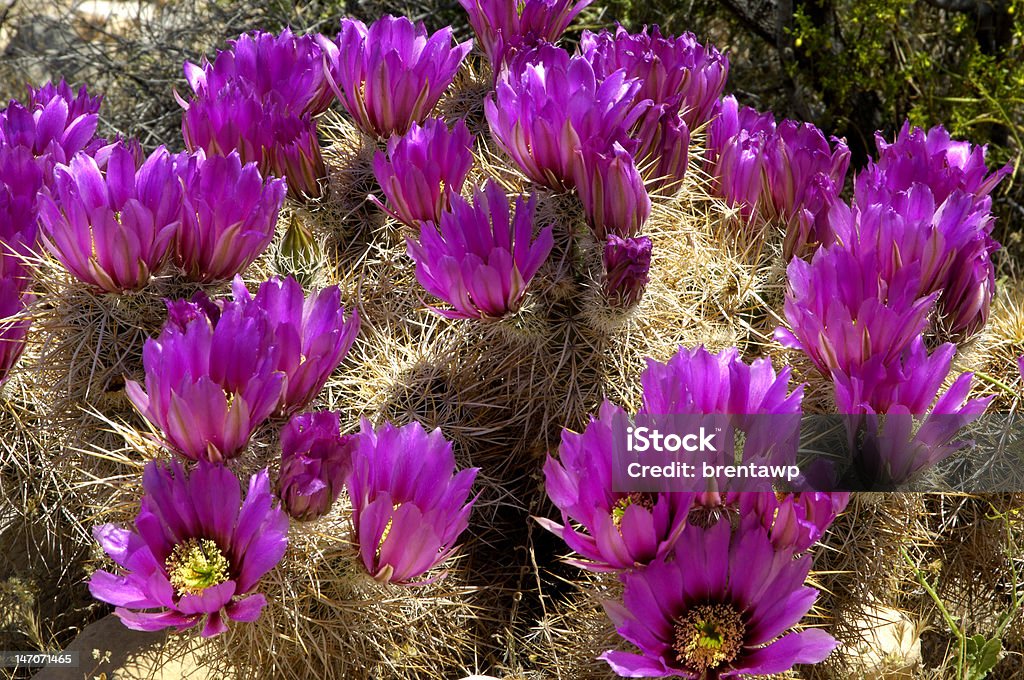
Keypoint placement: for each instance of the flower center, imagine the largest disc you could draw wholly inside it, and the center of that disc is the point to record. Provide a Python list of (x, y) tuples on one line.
[(387, 528), (644, 500), (708, 636), (195, 565)]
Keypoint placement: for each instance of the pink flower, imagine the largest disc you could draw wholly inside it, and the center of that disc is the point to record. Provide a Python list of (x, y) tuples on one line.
[(392, 74), (113, 229), (423, 168), (409, 506), (195, 554), (229, 216), (482, 259)]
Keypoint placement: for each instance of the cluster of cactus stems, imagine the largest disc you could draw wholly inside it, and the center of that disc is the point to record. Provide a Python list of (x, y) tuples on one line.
[(714, 582)]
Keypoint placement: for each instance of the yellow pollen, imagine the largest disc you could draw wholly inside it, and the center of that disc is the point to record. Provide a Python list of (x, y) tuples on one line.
[(195, 565), (387, 527), (709, 636), (644, 500)]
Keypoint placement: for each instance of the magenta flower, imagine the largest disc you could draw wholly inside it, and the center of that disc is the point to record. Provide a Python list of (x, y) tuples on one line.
[(79, 103), (503, 27), (920, 423), (663, 149), (482, 259), (54, 124), (951, 171), (696, 381), (612, 191), (195, 554), (739, 172), (228, 218), (285, 69), (809, 227), (315, 460), (724, 607), (391, 74), (295, 155), (610, 530), (422, 169), (112, 230), (1020, 366), (793, 521), (730, 119), (736, 150), (210, 382), (930, 158), (14, 325), (21, 179), (803, 151), (282, 143), (908, 383), (549, 106), (409, 506), (180, 313), (231, 119), (805, 175), (312, 335), (787, 172), (627, 262), (260, 98), (951, 243), (678, 74), (842, 313)]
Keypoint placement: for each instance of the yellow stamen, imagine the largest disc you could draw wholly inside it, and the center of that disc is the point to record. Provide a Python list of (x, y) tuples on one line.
[(387, 527), (195, 565), (644, 500), (709, 636)]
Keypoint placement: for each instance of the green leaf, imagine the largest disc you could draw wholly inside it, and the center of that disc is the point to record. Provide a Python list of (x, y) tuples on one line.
[(980, 656)]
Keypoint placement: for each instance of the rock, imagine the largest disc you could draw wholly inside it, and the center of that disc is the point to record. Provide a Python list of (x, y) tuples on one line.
[(108, 650), (889, 648)]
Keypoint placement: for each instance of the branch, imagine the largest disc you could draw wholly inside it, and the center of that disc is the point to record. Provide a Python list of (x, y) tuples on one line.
[(957, 5), (758, 16)]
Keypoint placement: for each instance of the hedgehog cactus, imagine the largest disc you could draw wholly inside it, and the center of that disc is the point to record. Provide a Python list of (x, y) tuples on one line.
[(422, 379)]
